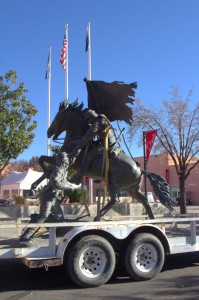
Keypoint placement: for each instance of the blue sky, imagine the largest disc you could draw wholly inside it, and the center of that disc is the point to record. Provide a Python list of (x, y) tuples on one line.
[(153, 42)]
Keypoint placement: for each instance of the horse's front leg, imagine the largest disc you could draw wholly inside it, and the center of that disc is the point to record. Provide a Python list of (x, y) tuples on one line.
[(50, 160), (47, 172)]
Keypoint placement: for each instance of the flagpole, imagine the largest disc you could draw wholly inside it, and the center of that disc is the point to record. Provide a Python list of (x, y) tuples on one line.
[(66, 69), (89, 50), (89, 78), (49, 98)]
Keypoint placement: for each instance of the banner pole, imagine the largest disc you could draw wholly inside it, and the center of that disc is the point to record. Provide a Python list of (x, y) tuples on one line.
[(145, 163)]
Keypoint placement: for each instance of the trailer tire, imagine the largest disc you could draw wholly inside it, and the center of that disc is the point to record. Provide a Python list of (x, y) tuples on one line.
[(91, 261), (144, 257)]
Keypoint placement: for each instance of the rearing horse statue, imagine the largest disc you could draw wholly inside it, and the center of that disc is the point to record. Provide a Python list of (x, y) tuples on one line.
[(124, 173)]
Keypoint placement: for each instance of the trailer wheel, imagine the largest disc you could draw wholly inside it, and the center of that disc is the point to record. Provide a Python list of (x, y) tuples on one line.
[(144, 257), (91, 261)]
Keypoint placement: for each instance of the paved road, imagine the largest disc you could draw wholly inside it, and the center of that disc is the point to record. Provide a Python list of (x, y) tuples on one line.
[(178, 280)]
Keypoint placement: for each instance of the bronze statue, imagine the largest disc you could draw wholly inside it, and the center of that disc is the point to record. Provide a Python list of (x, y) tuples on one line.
[(109, 101), (48, 197), (124, 173)]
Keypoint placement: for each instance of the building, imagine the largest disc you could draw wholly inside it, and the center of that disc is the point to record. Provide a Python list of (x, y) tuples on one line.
[(19, 183), (163, 165)]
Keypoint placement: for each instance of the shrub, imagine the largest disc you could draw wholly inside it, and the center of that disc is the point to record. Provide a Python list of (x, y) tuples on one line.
[(77, 196), (19, 200)]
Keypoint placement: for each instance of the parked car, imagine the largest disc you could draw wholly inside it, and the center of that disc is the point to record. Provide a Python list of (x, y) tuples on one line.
[(7, 202)]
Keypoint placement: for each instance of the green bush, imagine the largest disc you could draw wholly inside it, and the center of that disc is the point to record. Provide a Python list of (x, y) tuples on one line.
[(77, 196), (19, 200)]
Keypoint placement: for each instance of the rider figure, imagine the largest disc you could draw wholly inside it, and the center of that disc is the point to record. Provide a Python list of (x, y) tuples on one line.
[(49, 195), (99, 128)]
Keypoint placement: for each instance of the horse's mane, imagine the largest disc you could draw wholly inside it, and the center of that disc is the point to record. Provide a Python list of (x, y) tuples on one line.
[(74, 107)]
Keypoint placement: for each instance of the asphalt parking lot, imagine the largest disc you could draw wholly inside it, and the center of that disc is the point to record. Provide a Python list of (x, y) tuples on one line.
[(179, 279)]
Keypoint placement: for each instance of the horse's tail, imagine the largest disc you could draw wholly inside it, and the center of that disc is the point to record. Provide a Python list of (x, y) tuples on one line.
[(161, 189)]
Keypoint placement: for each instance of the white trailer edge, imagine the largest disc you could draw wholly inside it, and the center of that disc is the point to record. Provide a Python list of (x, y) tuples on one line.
[(88, 250)]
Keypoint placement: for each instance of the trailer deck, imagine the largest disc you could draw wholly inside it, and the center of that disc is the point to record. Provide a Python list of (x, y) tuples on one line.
[(83, 246), (178, 226)]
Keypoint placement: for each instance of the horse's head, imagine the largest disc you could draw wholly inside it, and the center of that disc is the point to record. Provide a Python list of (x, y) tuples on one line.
[(58, 125), (70, 118)]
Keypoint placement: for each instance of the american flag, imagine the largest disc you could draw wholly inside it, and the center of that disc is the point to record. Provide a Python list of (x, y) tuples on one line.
[(63, 53)]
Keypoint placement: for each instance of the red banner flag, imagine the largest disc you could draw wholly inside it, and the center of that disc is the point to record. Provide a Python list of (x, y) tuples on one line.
[(149, 140)]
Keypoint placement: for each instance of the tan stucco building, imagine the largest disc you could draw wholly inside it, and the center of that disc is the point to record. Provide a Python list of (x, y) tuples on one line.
[(163, 165)]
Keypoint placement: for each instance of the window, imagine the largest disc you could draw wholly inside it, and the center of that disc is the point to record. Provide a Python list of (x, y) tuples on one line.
[(6, 194)]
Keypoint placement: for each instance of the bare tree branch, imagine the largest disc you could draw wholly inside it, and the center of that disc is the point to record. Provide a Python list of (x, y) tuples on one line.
[(176, 121)]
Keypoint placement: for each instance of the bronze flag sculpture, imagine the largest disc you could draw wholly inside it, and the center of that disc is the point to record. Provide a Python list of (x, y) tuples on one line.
[(112, 101)]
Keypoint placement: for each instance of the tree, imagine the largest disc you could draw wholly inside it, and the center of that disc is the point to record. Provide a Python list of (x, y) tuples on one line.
[(16, 124), (34, 164), (178, 133), (23, 165)]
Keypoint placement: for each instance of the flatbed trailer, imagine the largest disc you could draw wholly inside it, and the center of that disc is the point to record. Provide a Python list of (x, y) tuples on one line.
[(88, 250)]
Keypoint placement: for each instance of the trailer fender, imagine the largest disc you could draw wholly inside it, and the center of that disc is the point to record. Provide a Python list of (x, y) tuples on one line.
[(67, 238)]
